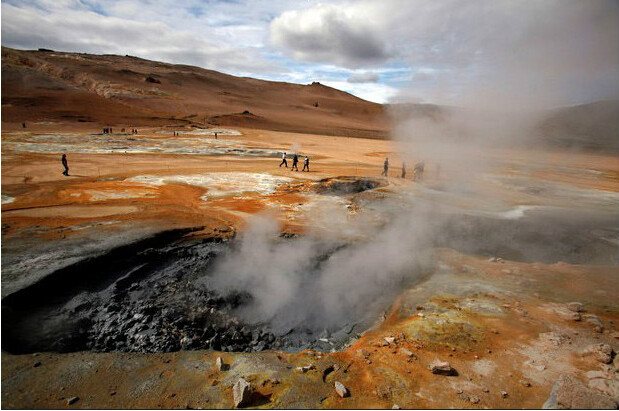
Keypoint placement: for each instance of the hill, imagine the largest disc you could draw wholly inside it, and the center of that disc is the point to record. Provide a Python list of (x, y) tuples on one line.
[(592, 126), (124, 90)]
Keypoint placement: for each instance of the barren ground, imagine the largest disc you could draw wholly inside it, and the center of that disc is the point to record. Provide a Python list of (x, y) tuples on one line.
[(503, 324)]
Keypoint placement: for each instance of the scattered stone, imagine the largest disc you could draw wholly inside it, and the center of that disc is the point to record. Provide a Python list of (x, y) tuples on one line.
[(406, 352), (421, 315), (459, 391), (419, 307), (476, 357), (464, 397), (441, 368), (615, 335), (608, 387), (390, 340), (305, 368), (598, 329), (601, 352), (112, 393), (576, 307), (484, 389), (474, 399), (395, 407), (525, 383), (504, 394), (241, 392), (37, 364), (72, 400), (569, 393), (489, 351), (494, 331), (219, 363), (593, 319), (341, 390)]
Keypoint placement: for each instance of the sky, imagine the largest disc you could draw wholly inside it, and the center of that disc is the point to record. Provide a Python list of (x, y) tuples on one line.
[(543, 52)]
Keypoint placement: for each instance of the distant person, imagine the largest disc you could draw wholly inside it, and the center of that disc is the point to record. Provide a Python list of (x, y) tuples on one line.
[(418, 171), (385, 167), (215, 135), (23, 125), (284, 161), (403, 169), (295, 162), (65, 165), (306, 164)]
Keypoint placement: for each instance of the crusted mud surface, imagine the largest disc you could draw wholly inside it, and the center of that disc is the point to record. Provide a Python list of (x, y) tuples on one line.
[(106, 299)]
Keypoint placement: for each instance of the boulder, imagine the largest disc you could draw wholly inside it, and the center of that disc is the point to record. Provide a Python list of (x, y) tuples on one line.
[(390, 340), (406, 352), (305, 368), (601, 352), (441, 368), (576, 307), (241, 392), (569, 393), (341, 390), (608, 387), (219, 363)]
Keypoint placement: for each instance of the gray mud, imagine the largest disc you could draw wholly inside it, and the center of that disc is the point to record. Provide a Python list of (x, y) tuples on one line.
[(147, 297)]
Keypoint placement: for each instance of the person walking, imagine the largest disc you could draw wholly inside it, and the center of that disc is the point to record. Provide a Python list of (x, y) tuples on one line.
[(418, 171), (65, 164), (385, 167), (306, 164), (403, 169), (295, 162), (284, 162)]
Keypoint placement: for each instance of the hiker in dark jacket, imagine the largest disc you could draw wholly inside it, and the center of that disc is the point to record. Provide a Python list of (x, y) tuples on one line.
[(65, 165), (295, 162)]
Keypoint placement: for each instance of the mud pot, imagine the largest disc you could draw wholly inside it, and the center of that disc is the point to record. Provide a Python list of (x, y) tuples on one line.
[(154, 295)]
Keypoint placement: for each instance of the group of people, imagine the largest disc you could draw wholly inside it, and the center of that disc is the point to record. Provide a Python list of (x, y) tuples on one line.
[(417, 171), (295, 162), (110, 130)]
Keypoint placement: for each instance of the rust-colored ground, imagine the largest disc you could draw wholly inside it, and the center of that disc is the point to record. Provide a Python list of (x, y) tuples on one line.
[(497, 338)]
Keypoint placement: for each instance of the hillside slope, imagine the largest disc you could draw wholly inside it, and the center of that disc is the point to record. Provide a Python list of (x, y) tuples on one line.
[(592, 126), (117, 90)]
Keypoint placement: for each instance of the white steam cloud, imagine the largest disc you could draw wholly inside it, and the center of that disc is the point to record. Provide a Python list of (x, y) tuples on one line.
[(318, 281)]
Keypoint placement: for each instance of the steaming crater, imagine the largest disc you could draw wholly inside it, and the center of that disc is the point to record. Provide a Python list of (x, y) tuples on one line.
[(156, 296), (261, 291)]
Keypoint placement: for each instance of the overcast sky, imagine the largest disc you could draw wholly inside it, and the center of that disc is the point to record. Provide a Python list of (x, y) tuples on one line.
[(542, 52)]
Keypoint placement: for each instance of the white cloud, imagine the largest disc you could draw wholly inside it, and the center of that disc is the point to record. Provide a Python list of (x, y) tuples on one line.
[(127, 27), (329, 32), (542, 52), (366, 77)]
